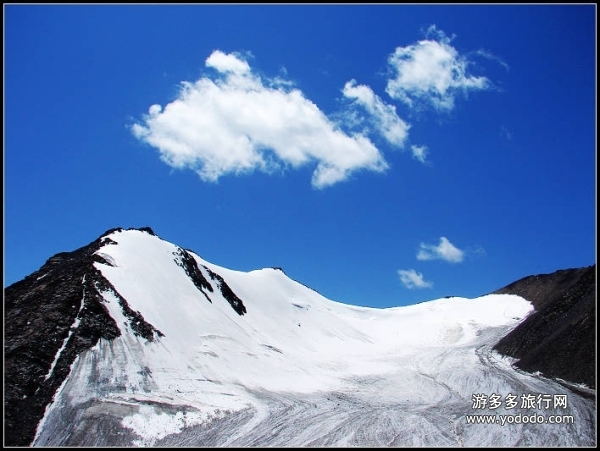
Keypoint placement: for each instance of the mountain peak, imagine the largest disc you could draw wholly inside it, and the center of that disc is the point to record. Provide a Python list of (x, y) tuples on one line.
[(121, 229)]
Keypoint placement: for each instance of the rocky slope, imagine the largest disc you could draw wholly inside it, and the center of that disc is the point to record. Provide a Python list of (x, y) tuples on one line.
[(55, 314), (559, 338)]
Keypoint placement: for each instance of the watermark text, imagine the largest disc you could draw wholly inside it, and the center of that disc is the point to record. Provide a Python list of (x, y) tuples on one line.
[(519, 418)]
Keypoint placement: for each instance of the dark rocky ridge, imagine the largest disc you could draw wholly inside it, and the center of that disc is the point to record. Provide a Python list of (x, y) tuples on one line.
[(235, 302), (61, 306), (40, 313), (559, 338), (189, 265)]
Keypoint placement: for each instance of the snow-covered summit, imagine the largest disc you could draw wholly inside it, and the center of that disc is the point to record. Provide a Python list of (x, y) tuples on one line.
[(290, 336)]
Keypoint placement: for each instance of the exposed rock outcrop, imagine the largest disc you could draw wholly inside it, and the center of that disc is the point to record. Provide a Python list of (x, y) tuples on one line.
[(235, 302), (51, 316), (558, 339)]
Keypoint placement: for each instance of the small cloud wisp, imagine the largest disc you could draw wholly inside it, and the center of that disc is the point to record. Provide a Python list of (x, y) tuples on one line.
[(444, 251), (413, 279)]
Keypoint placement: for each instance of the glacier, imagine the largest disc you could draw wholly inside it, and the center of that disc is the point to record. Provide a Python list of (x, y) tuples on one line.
[(295, 368)]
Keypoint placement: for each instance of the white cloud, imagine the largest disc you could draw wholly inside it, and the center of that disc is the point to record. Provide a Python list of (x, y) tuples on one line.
[(413, 279), (239, 122), (419, 153), (443, 251), (225, 63), (382, 115), (431, 72)]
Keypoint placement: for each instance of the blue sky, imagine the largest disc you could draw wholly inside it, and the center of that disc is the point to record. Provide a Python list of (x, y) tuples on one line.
[(382, 155)]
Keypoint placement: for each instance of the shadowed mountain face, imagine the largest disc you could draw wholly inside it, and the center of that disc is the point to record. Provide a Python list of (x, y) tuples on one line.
[(132, 340), (56, 313), (55, 308), (559, 338)]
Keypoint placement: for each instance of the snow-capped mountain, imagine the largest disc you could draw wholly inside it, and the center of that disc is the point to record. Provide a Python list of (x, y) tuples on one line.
[(133, 340)]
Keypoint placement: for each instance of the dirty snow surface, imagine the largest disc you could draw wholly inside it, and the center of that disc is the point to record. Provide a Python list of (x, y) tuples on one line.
[(298, 369)]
